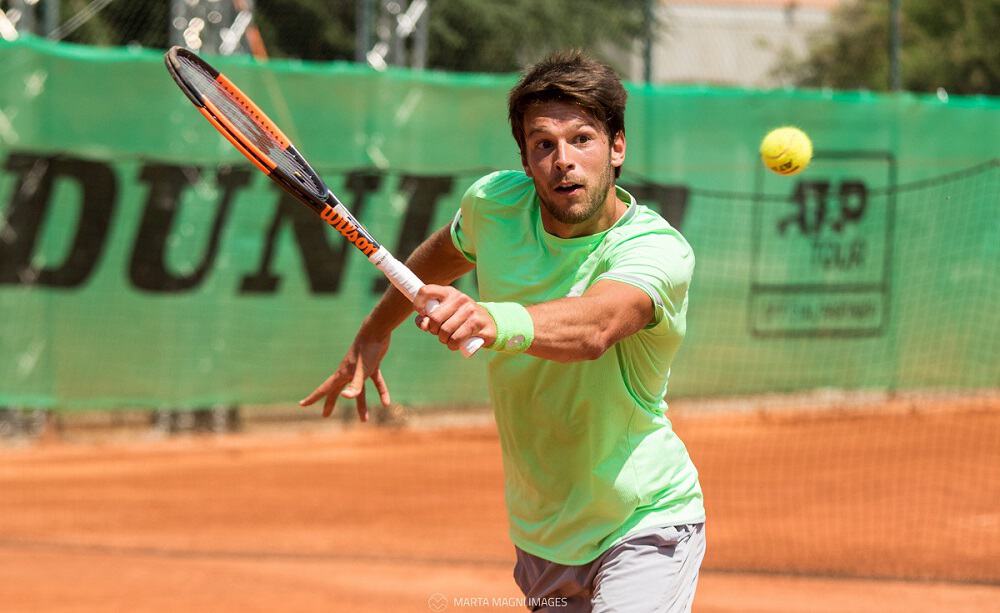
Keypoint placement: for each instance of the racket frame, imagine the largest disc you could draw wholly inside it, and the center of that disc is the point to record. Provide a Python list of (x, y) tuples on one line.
[(326, 205)]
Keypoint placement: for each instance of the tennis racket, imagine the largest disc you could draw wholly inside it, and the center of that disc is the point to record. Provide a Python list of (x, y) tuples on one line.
[(254, 135)]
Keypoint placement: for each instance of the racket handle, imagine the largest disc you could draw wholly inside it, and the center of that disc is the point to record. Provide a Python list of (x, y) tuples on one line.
[(471, 345), (403, 279)]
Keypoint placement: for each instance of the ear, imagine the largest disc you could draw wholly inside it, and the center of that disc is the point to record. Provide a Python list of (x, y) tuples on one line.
[(618, 149), (524, 164)]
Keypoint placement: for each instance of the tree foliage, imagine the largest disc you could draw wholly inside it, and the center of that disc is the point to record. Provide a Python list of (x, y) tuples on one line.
[(950, 44), (119, 23), (489, 36), (307, 29), (463, 35)]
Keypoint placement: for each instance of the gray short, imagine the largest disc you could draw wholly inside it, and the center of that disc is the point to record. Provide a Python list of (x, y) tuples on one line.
[(652, 570)]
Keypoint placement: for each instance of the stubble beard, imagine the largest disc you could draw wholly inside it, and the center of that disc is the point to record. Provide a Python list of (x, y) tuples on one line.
[(597, 199)]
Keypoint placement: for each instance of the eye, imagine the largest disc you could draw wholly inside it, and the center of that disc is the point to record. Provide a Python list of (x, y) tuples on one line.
[(543, 144), (584, 138)]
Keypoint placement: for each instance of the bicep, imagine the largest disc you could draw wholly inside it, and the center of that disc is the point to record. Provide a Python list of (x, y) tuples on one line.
[(659, 266), (446, 247), (625, 308), (438, 260)]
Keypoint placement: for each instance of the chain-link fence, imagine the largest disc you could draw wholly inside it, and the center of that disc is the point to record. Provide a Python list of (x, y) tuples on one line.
[(703, 41)]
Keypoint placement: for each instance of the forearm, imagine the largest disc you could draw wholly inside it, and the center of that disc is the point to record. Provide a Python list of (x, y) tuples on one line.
[(435, 261), (567, 331), (584, 327), (563, 330)]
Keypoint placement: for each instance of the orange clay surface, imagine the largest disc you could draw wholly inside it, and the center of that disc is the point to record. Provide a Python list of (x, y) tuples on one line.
[(369, 519)]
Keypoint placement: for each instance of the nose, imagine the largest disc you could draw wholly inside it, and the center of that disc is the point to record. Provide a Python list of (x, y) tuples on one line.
[(562, 160)]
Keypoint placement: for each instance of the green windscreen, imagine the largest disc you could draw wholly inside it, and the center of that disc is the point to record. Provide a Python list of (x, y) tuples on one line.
[(144, 263)]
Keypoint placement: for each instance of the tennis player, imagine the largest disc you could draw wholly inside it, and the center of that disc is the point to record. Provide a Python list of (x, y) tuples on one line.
[(584, 299)]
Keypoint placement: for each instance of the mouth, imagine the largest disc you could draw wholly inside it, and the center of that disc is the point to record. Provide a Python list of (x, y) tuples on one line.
[(568, 188)]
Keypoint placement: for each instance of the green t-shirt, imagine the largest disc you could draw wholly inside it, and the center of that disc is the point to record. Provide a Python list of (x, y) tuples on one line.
[(588, 454)]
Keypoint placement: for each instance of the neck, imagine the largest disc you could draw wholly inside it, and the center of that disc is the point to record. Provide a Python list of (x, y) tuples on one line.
[(603, 218)]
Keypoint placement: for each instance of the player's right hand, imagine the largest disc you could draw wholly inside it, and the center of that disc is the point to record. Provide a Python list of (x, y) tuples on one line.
[(361, 362), (455, 318)]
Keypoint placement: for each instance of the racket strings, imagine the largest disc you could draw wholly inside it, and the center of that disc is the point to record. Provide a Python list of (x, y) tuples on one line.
[(252, 112), (252, 125)]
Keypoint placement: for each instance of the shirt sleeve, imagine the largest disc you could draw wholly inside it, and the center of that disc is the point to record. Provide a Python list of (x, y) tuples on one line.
[(660, 264), (463, 226)]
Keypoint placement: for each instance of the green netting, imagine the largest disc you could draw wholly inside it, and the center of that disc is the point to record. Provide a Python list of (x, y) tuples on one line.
[(144, 263)]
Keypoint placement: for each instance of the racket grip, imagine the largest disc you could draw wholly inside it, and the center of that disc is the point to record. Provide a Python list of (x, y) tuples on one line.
[(471, 345), (403, 279)]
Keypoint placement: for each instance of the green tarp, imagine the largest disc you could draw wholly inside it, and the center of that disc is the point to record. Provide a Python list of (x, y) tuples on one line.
[(144, 263)]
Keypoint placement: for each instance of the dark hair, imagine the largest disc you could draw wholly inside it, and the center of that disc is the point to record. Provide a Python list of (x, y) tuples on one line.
[(572, 77)]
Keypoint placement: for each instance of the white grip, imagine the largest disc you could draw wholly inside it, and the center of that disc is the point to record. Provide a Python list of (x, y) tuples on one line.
[(403, 279), (398, 274), (471, 346)]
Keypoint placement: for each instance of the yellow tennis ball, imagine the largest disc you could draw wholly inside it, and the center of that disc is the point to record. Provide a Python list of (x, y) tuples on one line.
[(786, 150)]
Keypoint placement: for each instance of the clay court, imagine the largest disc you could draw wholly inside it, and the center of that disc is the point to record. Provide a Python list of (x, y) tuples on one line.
[(886, 510), (832, 165)]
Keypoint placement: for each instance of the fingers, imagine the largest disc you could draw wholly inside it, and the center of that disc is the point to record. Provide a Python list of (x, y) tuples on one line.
[(360, 401), (441, 310), (430, 293), (456, 319), (382, 388), (329, 404), (444, 312), (325, 388), (466, 330), (360, 363), (460, 324), (314, 395), (334, 386), (356, 389)]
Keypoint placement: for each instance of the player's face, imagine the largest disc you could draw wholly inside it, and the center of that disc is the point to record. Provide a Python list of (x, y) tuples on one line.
[(572, 160)]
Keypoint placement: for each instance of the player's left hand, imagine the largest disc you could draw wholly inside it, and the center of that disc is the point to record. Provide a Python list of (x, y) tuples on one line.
[(456, 318)]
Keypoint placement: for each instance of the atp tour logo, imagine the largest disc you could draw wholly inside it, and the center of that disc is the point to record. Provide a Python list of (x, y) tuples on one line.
[(822, 254)]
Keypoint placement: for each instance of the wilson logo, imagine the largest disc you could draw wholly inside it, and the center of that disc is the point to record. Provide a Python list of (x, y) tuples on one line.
[(348, 230)]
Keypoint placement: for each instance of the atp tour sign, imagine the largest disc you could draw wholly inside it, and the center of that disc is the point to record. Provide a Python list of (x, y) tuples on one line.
[(822, 257)]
